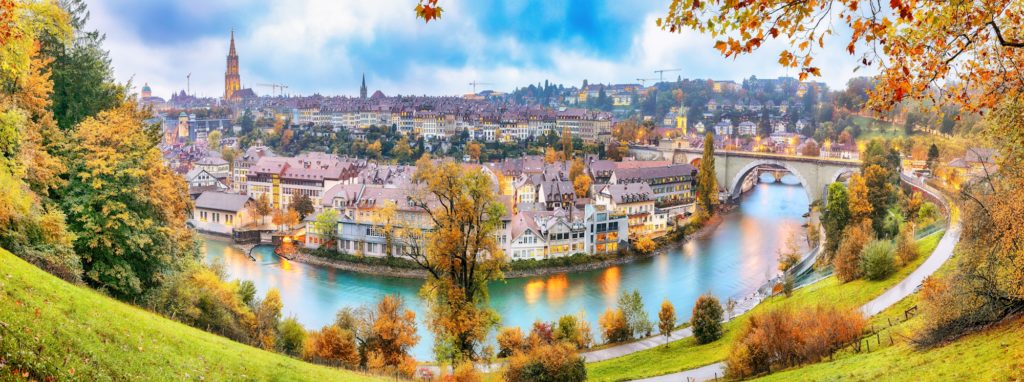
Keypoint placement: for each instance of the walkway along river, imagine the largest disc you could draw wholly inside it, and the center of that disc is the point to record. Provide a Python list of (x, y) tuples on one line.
[(737, 258)]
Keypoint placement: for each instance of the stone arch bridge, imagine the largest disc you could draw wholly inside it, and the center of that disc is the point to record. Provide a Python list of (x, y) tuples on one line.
[(732, 167)]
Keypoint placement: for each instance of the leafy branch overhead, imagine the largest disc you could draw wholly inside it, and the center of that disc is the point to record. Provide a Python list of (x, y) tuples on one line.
[(428, 10), (938, 50)]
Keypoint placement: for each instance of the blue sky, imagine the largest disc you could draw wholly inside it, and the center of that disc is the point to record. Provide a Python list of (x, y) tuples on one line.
[(324, 46)]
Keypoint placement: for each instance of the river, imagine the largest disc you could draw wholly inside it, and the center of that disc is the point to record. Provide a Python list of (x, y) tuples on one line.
[(734, 260)]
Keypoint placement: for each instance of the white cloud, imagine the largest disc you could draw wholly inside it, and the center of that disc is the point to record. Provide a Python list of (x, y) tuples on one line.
[(311, 45)]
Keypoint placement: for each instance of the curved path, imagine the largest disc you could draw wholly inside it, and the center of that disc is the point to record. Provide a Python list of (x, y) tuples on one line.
[(943, 251)]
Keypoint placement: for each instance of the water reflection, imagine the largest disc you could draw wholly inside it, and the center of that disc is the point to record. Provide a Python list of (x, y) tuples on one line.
[(734, 259)]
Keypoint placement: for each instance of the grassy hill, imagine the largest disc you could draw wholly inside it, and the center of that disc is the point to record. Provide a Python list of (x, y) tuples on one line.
[(687, 354), (52, 328)]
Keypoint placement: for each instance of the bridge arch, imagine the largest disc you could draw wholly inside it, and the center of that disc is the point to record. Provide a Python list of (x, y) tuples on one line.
[(735, 186)]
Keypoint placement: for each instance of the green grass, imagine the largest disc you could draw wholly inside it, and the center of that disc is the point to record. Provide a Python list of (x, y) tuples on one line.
[(687, 354), (875, 128), (68, 332)]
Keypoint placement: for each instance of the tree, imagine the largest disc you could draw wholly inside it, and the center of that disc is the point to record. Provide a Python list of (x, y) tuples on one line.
[(402, 152), (567, 148), (460, 254), (550, 156), (83, 79), (847, 260), (510, 340), (542, 333), (666, 319), (333, 346), (557, 362), (906, 246), (326, 226), (707, 181), (632, 306), (878, 260), (395, 334), (836, 216), (614, 327), (582, 185), (261, 208), (574, 330), (268, 318), (860, 205), (789, 256), (213, 140), (303, 205), (291, 336), (373, 150), (473, 149), (707, 319), (576, 169), (127, 208), (881, 195), (810, 149), (933, 157)]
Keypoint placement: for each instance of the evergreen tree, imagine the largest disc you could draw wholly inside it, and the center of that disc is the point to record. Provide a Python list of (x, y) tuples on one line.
[(933, 155), (836, 216)]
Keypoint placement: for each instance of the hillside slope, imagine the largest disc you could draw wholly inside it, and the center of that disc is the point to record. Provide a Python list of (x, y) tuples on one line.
[(53, 328)]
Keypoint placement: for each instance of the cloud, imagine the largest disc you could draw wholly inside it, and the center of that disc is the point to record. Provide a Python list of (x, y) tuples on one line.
[(323, 46)]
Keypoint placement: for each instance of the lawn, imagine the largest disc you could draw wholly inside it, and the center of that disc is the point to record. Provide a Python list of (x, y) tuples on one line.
[(68, 332), (875, 128), (686, 354)]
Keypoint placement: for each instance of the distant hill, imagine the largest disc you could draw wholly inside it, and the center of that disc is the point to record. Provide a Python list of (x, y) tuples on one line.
[(54, 329)]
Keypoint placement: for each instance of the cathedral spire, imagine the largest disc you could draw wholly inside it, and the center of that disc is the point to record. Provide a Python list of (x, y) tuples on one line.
[(232, 81), (231, 51), (362, 89)]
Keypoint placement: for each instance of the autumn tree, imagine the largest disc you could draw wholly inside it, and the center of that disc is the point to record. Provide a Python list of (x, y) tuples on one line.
[(574, 330), (213, 140), (460, 254), (126, 206), (836, 216), (706, 319), (474, 150), (847, 261), (402, 151), (333, 346), (395, 332), (386, 217), (510, 340), (291, 337), (581, 185), (666, 319), (645, 245), (550, 156), (550, 362), (268, 317), (260, 208), (707, 181), (567, 149), (541, 333), (303, 205), (614, 327), (860, 206)]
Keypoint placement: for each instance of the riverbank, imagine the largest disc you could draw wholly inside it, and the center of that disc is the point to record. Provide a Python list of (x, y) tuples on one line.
[(519, 269)]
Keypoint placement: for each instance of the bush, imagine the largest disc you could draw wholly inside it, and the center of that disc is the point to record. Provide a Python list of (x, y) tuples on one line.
[(782, 338), (645, 245), (510, 340), (878, 260), (847, 259), (464, 372), (549, 363), (332, 346), (199, 297), (614, 327), (707, 319), (927, 214), (540, 334), (291, 336), (574, 330)]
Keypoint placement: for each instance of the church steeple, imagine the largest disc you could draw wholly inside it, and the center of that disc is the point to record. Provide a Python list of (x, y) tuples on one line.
[(362, 89), (232, 81)]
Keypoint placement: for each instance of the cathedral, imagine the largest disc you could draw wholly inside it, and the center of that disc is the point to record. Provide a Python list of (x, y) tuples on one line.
[(232, 82)]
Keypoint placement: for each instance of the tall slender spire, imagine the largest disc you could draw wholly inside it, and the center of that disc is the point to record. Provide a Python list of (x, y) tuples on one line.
[(231, 51), (232, 81), (362, 89)]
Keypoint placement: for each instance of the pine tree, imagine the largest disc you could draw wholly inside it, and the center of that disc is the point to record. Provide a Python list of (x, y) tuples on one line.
[(707, 183)]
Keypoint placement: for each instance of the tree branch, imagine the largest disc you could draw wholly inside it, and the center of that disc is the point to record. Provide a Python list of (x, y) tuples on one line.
[(1002, 41)]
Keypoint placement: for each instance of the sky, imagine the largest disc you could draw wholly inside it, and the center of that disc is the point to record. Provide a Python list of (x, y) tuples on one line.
[(325, 46)]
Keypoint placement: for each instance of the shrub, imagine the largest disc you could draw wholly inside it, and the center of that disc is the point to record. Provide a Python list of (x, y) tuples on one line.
[(291, 336), (464, 372), (614, 327), (574, 330), (927, 214), (645, 245), (548, 363), (788, 284), (540, 334), (707, 319), (510, 340), (847, 259), (199, 297), (877, 260), (333, 346), (784, 338)]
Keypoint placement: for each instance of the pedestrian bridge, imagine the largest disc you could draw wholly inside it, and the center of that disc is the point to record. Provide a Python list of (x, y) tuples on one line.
[(732, 167)]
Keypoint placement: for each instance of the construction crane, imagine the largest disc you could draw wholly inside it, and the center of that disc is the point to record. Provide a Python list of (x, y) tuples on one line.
[(643, 81), (475, 83), (275, 87), (661, 73)]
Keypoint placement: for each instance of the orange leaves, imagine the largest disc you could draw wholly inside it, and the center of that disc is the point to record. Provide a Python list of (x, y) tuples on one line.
[(428, 10)]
